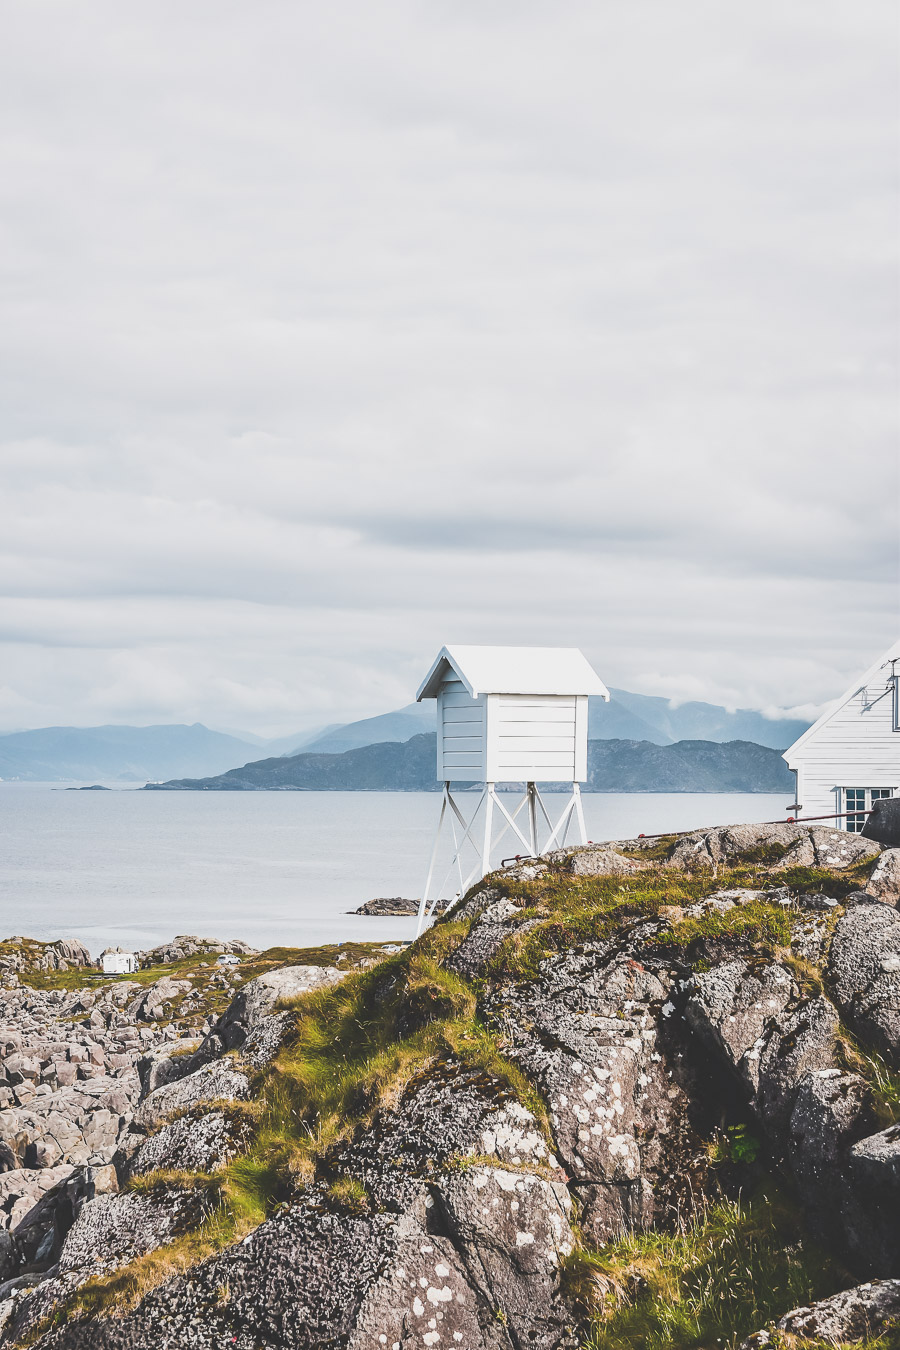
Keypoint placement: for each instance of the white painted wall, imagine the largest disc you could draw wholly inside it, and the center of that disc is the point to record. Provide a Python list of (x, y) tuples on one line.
[(461, 733), (531, 737), (855, 747), (119, 963), (502, 738)]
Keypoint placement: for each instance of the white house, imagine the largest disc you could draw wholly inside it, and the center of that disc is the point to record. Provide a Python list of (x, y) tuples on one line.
[(511, 714), (507, 715), (851, 756), (118, 962)]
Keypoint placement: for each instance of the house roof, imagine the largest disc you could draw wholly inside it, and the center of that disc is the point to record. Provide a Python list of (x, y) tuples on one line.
[(514, 670), (874, 673)]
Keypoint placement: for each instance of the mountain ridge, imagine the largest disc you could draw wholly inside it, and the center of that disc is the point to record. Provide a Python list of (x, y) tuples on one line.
[(409, 766), (130, 754)]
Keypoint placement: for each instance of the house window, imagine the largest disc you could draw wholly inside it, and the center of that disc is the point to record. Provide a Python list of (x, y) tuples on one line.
[(857, 802)]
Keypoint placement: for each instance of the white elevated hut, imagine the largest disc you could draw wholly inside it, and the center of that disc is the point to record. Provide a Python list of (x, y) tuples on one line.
[(851, 756), (508, 715)]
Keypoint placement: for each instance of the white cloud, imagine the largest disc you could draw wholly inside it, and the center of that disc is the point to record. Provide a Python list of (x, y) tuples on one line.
[(330, 335)]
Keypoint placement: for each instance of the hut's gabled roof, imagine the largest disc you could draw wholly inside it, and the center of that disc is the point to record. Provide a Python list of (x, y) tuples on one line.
[(875, 673), (514, 670)]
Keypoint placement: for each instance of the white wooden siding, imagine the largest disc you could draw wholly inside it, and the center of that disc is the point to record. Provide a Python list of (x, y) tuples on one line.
[(502, 738), (856, 747), (461, 733), (531, 737)]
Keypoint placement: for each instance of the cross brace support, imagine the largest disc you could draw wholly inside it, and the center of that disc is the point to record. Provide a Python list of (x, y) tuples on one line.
[(480, 850)]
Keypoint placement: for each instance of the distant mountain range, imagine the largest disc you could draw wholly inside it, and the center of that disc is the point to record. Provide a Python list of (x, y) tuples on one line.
[(633, 717), (408, 766), (137, 754), (118, 754)]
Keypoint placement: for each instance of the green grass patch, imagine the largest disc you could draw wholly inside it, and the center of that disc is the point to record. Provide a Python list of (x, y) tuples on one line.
[(349, 1194), (572, 911), (659, 850), (765, 925), (819, 881), (883, 1081), (737, 1267)]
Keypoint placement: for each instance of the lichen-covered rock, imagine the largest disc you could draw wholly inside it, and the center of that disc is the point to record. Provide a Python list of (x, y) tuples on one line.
[(707, 848), (514, 1229), (800, 1041), (217, 1081), (310, 1278), (599, 862), (475, 905), (864, 973), (859, 1314), (884, 883), (785, 845), (192, 1143), (487, 935), (589, 1032), (733, 1005), (839, 849), (872, 1203), (115, 1228), (447, 1113)]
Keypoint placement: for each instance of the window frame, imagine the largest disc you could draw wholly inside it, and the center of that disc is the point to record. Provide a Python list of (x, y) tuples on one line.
[(869, 795)]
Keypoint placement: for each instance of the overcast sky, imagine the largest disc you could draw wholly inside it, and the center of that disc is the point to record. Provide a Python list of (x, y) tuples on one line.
[(332, 333)]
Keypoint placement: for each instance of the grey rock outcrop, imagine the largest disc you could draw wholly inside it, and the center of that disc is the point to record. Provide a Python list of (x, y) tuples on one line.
[(854, 1315), (884, 883), (257, 999), (594, 861), (182, 947), (396, 906), (591, 1034), (113, 1229), (662, 1039), (864, 972), (22, 954), (496, 922), (192, 1143), (214, 1082), (796, 845), (309, 1278)]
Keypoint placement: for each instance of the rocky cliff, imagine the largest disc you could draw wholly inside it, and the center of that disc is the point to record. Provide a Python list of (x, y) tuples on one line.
[(645, 1094)]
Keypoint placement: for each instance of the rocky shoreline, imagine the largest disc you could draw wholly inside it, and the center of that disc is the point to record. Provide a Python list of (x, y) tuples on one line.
[(454, 1145)]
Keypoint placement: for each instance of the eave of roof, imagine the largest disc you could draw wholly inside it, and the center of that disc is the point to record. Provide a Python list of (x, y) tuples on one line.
[(892, 654), (514, 670)]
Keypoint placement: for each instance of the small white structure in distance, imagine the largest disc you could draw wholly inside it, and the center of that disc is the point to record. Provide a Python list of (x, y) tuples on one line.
[(117, 962), (508, 715), (851, 756)]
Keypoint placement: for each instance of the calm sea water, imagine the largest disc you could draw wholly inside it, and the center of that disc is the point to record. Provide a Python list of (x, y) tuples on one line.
[(135, 868)]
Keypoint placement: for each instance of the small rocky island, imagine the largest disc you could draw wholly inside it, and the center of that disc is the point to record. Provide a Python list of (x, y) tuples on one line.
[(396, 906), (641, 1094)]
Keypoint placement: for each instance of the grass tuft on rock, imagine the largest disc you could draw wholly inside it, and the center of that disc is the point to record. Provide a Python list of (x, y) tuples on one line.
[(735, 1268), (355, 1047)]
